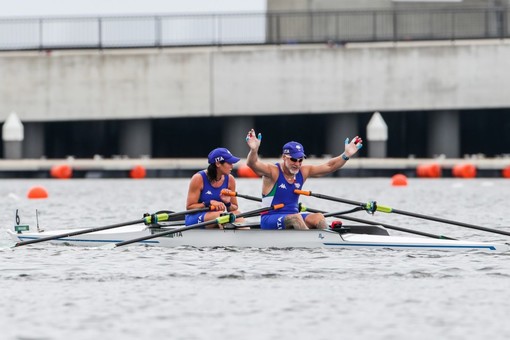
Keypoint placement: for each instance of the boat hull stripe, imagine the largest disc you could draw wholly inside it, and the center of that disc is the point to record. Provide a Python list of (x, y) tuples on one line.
[(389, 245)]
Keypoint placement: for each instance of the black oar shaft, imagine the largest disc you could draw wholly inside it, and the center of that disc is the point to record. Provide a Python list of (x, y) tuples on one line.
[(393, 227), (388, 226), (77, 232), (112, 226), (164, 233), (442, 220), (340, 215), (330, 198), (235, 193), (258, 199), (407, 213), (198, 225)]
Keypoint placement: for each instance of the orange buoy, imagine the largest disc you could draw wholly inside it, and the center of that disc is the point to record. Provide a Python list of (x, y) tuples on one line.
[(138, 172), (37, 192), (61, 171), (432, 170), (466, 170), (246, 172), (399, 180), (506, 172)]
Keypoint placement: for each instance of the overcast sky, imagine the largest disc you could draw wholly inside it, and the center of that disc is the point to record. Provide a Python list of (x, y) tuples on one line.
[(17, 8)]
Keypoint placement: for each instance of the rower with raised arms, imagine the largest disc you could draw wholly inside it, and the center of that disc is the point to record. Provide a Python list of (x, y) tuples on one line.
[(279, 181)]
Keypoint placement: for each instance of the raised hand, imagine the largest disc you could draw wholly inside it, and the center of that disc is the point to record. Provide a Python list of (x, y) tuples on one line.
[(253, 140), (352, 147)]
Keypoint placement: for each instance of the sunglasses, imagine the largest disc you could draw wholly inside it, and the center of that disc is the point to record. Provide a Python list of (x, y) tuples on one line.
[(295, 160)]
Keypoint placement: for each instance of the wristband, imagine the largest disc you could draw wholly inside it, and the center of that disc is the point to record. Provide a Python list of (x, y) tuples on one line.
[(207, 204), (228, 204), (345, 158)]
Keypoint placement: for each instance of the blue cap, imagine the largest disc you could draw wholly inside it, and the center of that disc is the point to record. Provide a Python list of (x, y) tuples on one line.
[(221, 154), (294, 150)]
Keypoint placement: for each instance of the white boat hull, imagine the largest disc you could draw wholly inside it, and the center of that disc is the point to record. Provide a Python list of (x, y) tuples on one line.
[(257, 238)]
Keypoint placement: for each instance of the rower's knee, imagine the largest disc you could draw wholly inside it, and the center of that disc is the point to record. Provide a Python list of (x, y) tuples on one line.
[(316, 221), (294, 221)]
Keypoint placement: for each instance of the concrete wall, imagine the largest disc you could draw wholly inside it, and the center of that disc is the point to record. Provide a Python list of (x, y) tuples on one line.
[(77, 85), (126, 84)]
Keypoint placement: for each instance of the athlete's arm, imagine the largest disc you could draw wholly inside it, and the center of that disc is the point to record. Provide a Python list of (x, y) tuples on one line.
[(253, 161), (334, 163), (195, 186)]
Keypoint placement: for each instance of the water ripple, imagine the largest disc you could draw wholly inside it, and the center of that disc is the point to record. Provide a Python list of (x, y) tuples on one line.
[(224, 292)]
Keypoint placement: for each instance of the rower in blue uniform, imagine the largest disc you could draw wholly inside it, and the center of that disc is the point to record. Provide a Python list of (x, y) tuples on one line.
[(205, 188), (280, 179)]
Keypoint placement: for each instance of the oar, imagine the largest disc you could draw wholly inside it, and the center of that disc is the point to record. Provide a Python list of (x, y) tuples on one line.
[(388, 226), (341, 215), (372, 207), (228, 218), (154, 218), (228, 192)]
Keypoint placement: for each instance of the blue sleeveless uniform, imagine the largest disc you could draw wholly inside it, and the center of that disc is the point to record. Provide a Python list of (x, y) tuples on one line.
[(208, 193), (282, 192)]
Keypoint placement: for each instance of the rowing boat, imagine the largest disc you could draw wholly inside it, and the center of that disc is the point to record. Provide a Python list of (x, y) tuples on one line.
[(165, 229), (348, 238)]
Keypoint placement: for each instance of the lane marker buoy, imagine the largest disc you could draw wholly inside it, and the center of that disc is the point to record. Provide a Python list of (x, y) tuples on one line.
[(37, 192), (399, 180)]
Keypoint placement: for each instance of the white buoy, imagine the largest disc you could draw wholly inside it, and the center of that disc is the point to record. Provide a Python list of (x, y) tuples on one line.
[(12, 136), (377, 136)]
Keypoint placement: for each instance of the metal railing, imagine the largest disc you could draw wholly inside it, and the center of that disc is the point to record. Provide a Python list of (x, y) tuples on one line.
[(253, 28)]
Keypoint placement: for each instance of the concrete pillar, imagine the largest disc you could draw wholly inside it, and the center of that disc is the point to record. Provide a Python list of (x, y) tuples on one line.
[(234, 134), (444, 134), (13, 135), (136, 138), (339, 127), (33, 145), (377, 136)]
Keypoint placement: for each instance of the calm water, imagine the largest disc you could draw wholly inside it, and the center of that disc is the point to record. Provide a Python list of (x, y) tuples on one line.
[(59, 292)]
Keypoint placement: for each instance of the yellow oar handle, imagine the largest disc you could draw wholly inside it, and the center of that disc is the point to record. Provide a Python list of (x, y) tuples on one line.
[(372, 206), (384, 208), (229, 218), (155, 218), (161, 217)]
